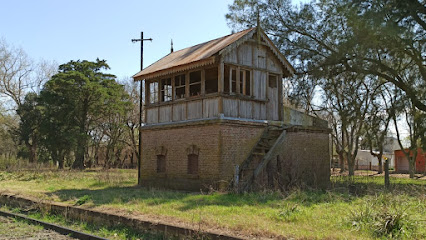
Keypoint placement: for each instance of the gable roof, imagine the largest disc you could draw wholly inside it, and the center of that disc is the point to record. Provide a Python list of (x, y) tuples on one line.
[(203, 54)]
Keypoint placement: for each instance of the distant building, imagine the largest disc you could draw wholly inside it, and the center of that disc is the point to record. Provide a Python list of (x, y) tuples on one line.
[(402, 164), (366, 161), (214, 117)]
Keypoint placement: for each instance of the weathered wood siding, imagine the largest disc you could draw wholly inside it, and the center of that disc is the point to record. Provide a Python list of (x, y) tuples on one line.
[(272, 103), (184, 110), (165, 114), (210, 107), (245, 109), (264, 103), (152, 115), (260, 59), (230, 107), (195, 109), (179, 111)]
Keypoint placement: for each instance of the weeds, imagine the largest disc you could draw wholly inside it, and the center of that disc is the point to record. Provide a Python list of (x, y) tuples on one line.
[(383, 219), (366, 212), (84, 199), (289, 212)]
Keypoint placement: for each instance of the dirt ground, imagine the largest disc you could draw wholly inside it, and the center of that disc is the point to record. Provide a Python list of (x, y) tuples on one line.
[(12, 229), (336, 172)]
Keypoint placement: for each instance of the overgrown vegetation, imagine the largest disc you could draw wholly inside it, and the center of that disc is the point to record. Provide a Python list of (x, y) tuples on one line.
[(354, 207), (116, 232)]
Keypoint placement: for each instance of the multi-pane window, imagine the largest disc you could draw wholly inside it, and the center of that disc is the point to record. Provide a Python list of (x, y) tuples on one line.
[(211, 80), (166, 90), (230, 79), (192, 164), (245, 82), (272, 81), (161, 163), (153, 92), (180, 86), (195, 83)]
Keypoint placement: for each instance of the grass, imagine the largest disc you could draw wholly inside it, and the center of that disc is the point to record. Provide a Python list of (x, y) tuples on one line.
[(116, 232), (353, 208)]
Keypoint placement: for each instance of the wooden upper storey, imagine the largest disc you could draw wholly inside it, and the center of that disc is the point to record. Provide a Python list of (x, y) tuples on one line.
[(236, 76)]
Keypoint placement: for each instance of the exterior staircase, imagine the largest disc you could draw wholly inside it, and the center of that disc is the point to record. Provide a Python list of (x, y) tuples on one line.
[(261, 154)]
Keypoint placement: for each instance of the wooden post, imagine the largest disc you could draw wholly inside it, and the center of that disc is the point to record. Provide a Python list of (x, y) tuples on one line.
[(203, 82), (280, 98), (387, 182), (237, 83), (220, 84), (187, 85)]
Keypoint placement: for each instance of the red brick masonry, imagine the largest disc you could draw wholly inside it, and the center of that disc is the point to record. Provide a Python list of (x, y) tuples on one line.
[(221, 145)]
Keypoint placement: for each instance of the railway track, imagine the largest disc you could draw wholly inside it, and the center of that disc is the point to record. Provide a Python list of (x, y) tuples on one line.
[(53, 227)]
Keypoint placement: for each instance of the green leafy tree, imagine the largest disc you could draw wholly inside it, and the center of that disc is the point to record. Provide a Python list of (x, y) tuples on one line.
[(83, 95), (29, 126), (382, 38), (58, 129), (382, 41)]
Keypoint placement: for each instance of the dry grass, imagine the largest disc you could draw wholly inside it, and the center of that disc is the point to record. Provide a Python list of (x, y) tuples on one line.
[(354, 208)]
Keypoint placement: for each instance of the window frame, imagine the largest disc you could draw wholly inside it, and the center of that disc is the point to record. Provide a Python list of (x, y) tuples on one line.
[(194, 83), (190, 169), (166, 91), (179, 78), (161, 164), (153, 92)]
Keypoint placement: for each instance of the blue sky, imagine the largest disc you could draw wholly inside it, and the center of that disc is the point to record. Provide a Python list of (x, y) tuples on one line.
[(86, 30)]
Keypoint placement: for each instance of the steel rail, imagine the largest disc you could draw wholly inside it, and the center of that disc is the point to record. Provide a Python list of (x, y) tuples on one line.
[(54, 227)]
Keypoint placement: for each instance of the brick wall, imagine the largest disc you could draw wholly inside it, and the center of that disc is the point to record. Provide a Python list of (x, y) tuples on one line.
[(304, 156), (221, 146), (304, 159)]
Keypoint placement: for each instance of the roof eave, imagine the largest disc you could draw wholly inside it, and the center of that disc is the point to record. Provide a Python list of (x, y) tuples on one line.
[(176, 69)]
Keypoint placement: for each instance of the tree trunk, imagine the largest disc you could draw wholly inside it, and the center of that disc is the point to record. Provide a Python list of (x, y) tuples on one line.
[(351, 169), (342, 162), (82, 138), (387, 182), (351, 164), (32, 148), (412, 163), (79, 156), (379, 159), (61, 163), (132, 160)]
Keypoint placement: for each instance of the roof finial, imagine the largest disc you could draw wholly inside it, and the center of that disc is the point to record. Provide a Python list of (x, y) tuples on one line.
[(171, 46), (258, 25)]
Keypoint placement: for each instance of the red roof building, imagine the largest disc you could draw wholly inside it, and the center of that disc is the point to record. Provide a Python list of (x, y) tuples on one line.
[(401, 161)]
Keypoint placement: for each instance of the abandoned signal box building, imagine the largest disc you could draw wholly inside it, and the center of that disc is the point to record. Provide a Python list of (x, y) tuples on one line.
[(214, 117)]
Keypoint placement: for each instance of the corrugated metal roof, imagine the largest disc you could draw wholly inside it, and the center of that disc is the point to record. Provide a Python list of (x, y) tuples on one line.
[(202, 54)]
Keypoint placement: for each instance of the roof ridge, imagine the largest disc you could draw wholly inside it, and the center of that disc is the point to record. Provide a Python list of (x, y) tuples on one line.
[(248, 30)]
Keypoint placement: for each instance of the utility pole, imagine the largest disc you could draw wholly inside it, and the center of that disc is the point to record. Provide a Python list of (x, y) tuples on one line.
[(140, 107)]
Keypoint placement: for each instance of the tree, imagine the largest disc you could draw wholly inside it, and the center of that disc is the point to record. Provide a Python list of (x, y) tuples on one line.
[(58, 129), (327, 40), (391, 34), (20, 81), (8, 142), (15, 71), (346, 100), (415, 121), (132, 118), (376, 127), (29, 125), (84, 94), (380, 38)]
